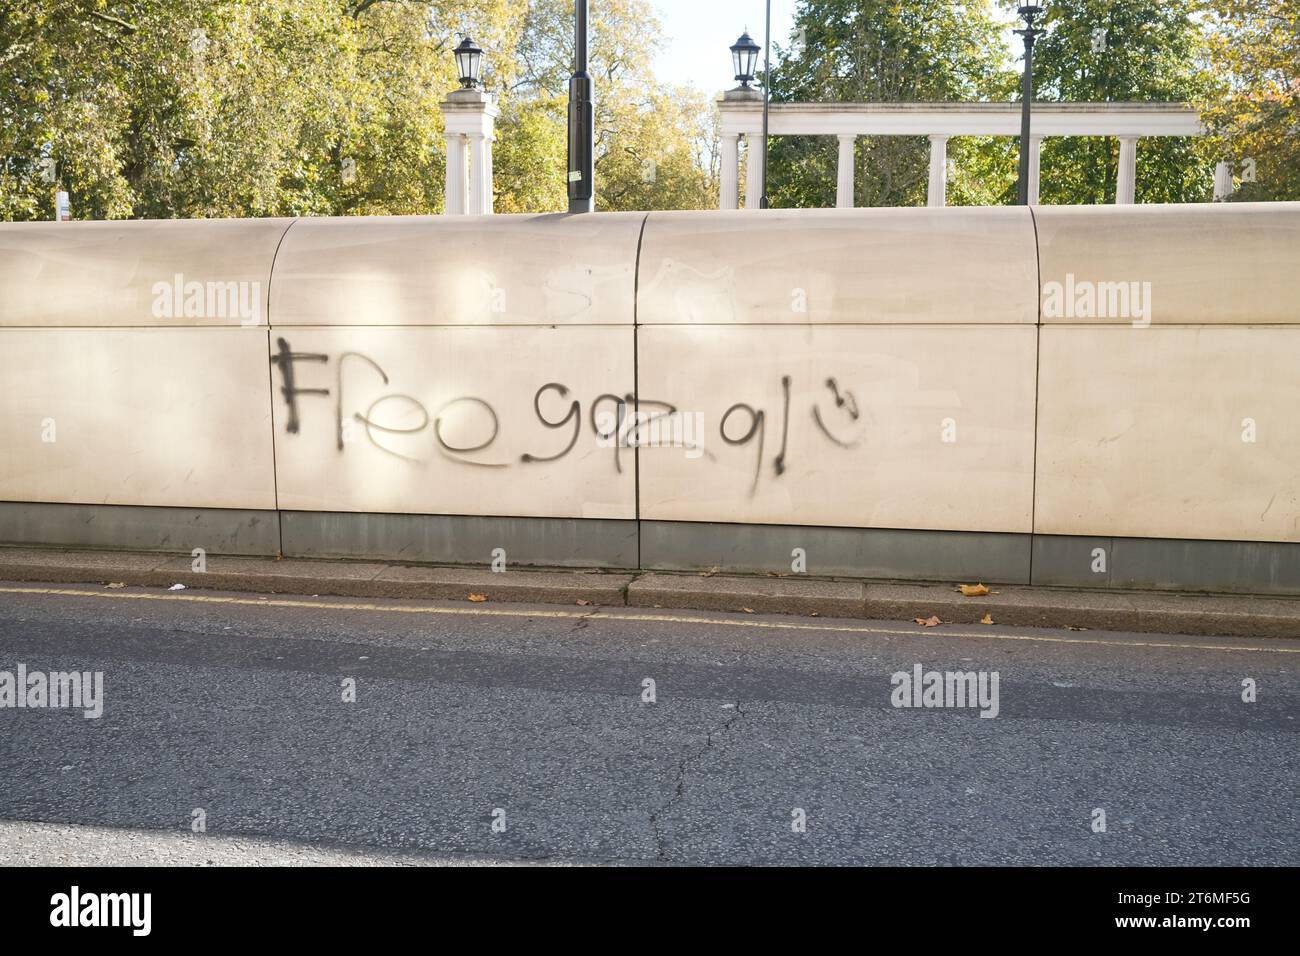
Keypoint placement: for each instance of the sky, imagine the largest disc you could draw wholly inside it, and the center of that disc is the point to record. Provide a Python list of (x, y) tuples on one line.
[(698, 33)]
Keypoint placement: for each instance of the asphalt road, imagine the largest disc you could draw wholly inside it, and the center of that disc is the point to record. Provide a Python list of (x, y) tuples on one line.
[(534, 717)]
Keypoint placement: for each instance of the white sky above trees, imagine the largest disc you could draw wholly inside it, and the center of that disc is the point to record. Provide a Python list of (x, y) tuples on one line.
[(697, 34)]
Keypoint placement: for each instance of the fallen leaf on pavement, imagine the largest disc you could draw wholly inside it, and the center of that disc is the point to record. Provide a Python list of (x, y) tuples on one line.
[(987, 619), (478, 598), (973, 590), (931, 621)]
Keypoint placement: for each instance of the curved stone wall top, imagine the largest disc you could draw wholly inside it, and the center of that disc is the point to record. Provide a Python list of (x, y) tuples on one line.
[(458, 270), (840, 266), (184, 272), (1204, 264)]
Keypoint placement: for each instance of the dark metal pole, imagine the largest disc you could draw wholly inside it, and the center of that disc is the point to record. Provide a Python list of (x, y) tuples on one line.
[(1030, 34), (767, 96), (582, 119)]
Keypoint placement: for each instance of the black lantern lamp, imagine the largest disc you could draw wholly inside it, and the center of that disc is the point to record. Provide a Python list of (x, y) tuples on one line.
[(744, 57), (469, 60)]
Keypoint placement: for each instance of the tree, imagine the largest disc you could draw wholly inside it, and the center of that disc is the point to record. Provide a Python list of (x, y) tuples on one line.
[(226, 108), (1253, 112), (1099, 51), (656, 145), (194, 108), (883, 52)]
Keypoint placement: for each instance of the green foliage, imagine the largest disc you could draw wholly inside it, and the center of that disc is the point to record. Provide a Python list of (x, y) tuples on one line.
[(163, 108), (882, 52), (204, 108), (1099, 51), (1253, 112)]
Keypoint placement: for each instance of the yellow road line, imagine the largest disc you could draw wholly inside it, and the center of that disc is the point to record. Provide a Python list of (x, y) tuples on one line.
[(628, 616)]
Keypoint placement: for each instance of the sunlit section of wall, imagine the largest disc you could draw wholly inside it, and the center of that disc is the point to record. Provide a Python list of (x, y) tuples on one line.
[(829, 267), (436, 270), (136, 417), (168, 273), (1221, 264)]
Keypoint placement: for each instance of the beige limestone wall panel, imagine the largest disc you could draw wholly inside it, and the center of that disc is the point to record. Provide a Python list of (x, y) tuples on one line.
[(458, 270), (1169, 433), (942, 439), (1206, 264), (449, 421), (174, 417), (840, 266), (166, 273)]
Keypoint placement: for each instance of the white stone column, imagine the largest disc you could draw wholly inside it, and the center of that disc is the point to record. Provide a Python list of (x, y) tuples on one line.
[(741, 114), (1126, 186), (480, 200), (455, 180), (487, 172), (844, 178), (729, 174), (1035, 142), (469, 116), (753, 170), (1222, 181), (937, 195)]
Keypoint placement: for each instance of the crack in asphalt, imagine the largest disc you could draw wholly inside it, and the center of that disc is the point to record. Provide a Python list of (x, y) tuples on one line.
[(679, 791)]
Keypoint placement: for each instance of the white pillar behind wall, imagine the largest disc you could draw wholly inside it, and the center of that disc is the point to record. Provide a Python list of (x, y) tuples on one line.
[(487, 171), (729, 174), (455, 190), (479, 197), (1126, 186), (844, 179), (937, 194), (469, 116), (1222, 181), (1035, 144)]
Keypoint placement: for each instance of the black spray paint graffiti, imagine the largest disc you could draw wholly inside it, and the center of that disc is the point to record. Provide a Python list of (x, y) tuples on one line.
[(758, 426), (622, 429)]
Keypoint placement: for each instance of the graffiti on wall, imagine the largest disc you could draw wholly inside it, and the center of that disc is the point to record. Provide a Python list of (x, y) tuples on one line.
[(617, 422)]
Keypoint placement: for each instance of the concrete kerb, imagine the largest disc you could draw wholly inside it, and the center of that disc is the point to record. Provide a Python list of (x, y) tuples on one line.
[(1012, 606)]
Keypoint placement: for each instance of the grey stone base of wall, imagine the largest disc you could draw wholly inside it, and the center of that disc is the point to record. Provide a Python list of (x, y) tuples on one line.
[(138, 528), (1230, 567), (850, 552), (459, 539)]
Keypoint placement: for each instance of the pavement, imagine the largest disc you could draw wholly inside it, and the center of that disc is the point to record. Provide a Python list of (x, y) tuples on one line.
[(1017, 606), (537, 733)]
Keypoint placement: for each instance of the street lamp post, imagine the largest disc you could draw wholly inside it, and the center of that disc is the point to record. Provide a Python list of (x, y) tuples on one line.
[(767, 95), (1030, 33), (469, 61), (744, 56), (582, 119)]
